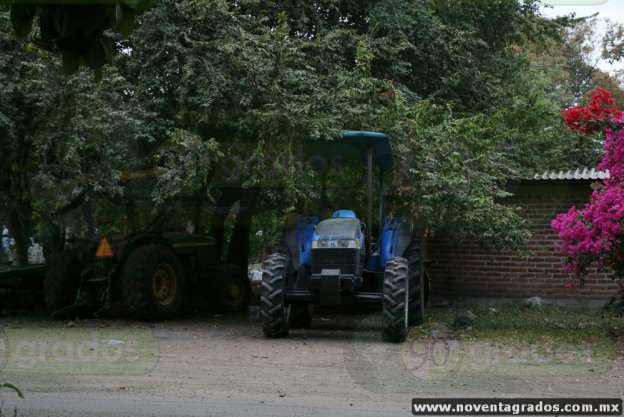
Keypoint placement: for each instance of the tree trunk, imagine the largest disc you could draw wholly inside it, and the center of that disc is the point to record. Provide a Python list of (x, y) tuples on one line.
[(16, 185), (228, 197), (52, 238), (20, 228), (87, 214), (238, 251)]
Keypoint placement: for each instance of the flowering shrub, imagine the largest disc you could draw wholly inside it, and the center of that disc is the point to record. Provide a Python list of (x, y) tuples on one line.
[(590, 119), (595, 233)]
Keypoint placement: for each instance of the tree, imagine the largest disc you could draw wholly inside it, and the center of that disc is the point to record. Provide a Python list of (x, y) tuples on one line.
[(79, 33), (261, 78), (64, 140), (613, 42), (235, 89), (562, 71)]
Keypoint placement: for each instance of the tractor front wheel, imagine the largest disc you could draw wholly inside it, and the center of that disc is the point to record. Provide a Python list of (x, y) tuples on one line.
[(273, 308), (395, 300), (153, 283), (418, 282)]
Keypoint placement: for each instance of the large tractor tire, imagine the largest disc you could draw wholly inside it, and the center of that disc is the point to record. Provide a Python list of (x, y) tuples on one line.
[(300, 316), (273, 308), (233, 289), (153, 283), (395, 300), (417, 279), (62, 280)]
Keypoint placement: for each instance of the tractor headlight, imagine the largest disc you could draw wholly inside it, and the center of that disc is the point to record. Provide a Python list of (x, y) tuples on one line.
[(336, 244)]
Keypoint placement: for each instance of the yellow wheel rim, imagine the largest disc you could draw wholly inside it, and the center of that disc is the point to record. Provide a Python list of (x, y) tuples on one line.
[(164, 284), (233, 293)]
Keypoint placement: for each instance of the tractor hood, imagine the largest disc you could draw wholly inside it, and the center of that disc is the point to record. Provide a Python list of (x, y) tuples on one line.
[(338, 229)]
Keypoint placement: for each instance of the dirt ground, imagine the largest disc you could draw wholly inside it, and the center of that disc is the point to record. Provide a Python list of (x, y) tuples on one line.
[(223, 366)]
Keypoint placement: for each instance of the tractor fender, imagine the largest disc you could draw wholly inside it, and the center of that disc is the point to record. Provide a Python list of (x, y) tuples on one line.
[(131, 244), (143, 239), (396, 236), (298, 241)]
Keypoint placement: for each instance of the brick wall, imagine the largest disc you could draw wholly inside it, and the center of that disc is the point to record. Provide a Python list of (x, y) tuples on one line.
[(470, 269)]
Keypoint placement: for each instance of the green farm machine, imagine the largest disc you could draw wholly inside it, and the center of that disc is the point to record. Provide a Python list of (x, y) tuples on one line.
[(162, 264)]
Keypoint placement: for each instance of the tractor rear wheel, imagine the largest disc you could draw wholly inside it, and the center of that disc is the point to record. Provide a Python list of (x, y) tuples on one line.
[(153, 283), (395, 300), (417, 275), (273, 308), (62, 280)]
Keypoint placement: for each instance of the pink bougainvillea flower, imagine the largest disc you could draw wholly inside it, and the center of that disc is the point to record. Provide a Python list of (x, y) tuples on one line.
[(595, 233)]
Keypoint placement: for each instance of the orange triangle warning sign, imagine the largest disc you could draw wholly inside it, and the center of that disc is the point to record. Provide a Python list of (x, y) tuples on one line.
[(104, 250)]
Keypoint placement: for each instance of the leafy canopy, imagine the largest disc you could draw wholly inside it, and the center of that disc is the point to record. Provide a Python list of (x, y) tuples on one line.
[(213, 94)]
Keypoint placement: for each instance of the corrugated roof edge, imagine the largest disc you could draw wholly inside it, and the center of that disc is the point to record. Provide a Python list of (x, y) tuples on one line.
[(571, 175)]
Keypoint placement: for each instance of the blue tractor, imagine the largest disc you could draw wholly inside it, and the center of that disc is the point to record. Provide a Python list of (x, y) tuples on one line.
[(340, 260)]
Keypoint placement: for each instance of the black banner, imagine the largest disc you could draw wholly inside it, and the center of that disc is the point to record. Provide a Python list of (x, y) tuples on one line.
[(517, 406)]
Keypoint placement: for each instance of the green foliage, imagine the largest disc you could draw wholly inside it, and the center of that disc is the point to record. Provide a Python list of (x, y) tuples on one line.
[(461, 51), (452, 174), (14, 388), (185, 164), (535, 138), (613, 42), (64, 140), (561, 73), (261, 78), (79, 32), (209, 94)]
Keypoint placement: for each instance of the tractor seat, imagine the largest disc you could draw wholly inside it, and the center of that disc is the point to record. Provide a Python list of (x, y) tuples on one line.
[(344, 214)]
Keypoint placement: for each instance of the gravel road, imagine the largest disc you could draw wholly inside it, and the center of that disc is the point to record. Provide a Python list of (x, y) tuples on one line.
[(223, 366)]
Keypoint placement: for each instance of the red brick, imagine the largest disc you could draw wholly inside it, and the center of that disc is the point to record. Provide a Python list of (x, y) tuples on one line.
[(469, 268)]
